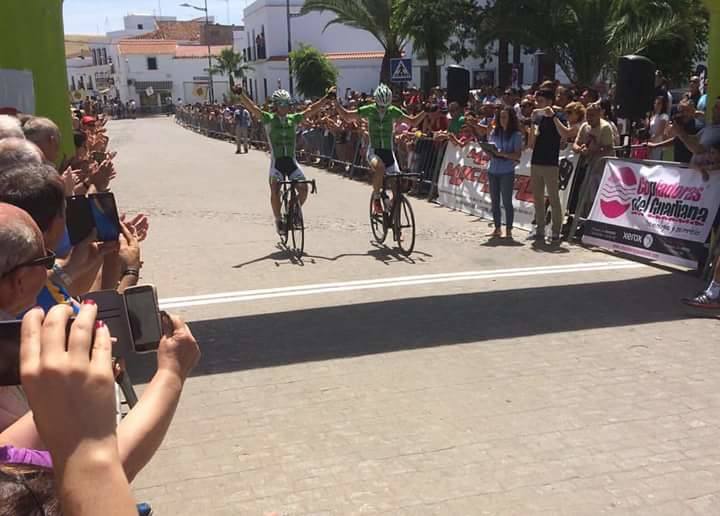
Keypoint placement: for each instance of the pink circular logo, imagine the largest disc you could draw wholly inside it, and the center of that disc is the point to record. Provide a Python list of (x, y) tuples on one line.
[(617, 192)]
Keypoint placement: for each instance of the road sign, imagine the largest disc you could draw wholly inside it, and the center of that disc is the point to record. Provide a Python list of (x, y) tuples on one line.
[(400, 70)]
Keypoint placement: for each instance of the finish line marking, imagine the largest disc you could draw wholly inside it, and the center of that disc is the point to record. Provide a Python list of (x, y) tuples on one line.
[(400, 281)]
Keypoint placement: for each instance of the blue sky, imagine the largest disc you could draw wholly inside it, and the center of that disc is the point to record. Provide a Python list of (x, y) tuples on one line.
[(100, 16)]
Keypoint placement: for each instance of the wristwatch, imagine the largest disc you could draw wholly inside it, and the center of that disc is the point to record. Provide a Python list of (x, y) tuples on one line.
[(61, 275)]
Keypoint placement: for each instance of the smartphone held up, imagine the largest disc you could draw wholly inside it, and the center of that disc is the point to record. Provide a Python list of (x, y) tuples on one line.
[(94, 211), (133, 318)]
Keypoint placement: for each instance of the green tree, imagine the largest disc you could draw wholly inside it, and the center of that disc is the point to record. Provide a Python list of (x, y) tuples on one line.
[(431, 25), (230, 63), (586, 37), (374, 16), (314, 73)]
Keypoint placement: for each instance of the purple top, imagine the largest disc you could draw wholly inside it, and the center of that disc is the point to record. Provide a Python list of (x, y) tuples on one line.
[(12, 455)]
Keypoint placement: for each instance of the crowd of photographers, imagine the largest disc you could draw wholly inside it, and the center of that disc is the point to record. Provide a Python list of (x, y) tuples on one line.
[(62, 450)]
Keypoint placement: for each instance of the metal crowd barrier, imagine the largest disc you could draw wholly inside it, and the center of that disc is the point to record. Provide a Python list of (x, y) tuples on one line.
[(346, 154)]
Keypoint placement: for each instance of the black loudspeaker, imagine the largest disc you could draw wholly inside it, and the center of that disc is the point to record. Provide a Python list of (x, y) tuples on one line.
[(635, 91), (458, 84)]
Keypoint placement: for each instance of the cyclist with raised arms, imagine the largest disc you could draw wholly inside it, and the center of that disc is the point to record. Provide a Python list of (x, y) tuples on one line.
[(281, 128), (381, 117)]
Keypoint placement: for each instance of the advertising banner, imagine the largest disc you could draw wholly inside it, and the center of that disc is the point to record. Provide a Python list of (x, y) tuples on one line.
[(661, 212), (463, 183)]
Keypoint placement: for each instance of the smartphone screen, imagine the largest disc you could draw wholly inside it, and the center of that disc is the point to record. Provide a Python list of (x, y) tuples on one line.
[(10, 351), (98, 156), (104, 212), (144, 316), (78, 218)]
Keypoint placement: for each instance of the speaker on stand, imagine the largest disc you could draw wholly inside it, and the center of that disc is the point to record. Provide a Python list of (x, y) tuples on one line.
[(458, 84), (635, 91)]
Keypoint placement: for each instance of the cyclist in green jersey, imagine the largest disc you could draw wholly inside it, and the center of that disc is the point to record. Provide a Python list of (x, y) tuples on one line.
[(381, 117), (281, 129)]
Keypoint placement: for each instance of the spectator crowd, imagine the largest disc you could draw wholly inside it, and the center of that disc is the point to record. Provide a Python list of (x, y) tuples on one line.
[(62, 450), (549, 118)]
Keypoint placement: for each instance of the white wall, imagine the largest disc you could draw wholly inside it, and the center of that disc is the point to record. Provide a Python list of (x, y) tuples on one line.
[(306, 29), (359, 74)]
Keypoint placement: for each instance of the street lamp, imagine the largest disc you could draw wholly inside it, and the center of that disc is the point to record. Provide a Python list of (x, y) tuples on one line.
[(211, 96), (290, 16)]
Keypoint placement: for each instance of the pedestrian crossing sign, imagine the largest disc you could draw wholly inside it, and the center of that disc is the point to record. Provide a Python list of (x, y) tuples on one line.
[(400, 70)]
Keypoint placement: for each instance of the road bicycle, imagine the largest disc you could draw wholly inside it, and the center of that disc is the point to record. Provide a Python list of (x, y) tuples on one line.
[(397, 213), (291, 216)]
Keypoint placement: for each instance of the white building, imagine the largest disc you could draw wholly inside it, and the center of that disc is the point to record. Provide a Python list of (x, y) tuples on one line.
[(154, 71), (137, 25), (157, 52), (356, 54), (90, 69)]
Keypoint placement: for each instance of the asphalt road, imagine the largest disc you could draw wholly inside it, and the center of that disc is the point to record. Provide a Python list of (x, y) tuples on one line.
[(472, 378)]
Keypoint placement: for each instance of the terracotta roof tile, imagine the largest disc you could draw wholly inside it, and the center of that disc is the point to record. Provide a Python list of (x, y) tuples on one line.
[(187, 30), (339, 56), (190, 51), (135, 47)]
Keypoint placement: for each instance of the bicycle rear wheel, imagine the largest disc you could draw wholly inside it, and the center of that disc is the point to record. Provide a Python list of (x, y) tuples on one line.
[(284, 216), (297, 229), (377, 223), (404, 226)]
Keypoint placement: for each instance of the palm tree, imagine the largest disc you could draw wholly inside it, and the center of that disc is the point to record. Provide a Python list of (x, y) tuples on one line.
[(231, 63), (428, 25), (374, 16), (585, 37)]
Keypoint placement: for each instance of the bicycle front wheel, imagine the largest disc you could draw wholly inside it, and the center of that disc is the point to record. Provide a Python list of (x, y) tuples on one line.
[(404, 226), (297, 230), (377, 223), (285, 217)]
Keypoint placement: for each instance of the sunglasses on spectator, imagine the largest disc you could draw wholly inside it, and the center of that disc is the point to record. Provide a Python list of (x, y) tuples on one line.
[(47, 261)]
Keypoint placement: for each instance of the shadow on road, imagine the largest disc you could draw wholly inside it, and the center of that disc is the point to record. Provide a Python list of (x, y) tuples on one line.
[(240, 343), (379, 252)]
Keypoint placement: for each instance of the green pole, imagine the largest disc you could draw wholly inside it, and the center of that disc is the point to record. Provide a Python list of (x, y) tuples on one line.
[(32, 39), (713, 7)]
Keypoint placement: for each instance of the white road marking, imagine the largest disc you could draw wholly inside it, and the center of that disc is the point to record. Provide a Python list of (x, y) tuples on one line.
[(400, 281)]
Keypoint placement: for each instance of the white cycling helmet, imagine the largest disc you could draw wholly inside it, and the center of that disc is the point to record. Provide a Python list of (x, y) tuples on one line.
[(281, 98), (383, 96)]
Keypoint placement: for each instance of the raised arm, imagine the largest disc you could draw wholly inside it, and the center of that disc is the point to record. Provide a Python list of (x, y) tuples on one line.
[(414, 120), (346, 114), (691, 141), (565, 131), (248, 104), (314, 109)]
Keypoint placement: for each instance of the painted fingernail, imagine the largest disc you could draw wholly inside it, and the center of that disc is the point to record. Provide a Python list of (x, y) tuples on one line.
[(99, 324), (88, 302)]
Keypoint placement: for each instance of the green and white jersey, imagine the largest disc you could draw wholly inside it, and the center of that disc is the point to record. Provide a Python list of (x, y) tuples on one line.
[(281, 133), (381, 127)]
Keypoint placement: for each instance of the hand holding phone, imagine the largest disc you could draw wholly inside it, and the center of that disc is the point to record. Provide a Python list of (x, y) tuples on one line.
[(178, 352), (69, 380)]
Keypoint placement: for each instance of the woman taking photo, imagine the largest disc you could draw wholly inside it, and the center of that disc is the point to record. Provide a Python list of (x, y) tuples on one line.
[(501, 175)]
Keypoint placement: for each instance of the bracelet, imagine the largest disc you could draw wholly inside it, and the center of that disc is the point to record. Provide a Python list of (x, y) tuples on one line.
[(131, 272)]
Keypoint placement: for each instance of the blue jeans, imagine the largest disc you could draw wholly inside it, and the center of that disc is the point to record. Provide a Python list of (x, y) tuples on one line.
[(501, 187)]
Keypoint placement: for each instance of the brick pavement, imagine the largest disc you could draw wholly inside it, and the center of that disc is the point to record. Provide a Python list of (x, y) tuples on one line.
[(590, 394), (601, 421)]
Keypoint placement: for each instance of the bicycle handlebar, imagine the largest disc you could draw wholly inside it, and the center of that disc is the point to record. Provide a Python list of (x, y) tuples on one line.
[(303, 182)]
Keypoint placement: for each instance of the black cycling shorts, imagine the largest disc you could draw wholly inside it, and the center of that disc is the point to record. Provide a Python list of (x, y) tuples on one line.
[(285, 166), (387, 157)]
